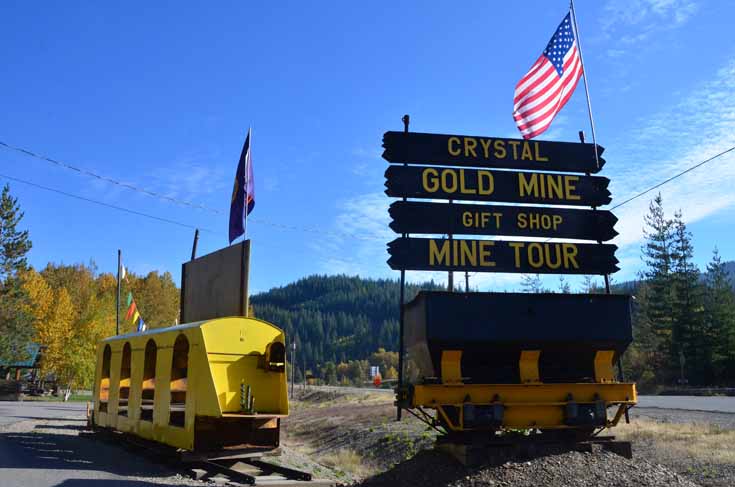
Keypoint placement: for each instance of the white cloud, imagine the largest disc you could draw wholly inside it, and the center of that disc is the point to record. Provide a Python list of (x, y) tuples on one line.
[(634, 23), (701, 125)]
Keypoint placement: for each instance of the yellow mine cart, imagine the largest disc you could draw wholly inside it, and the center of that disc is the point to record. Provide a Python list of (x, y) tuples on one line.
[(487, 362), (205, 386)]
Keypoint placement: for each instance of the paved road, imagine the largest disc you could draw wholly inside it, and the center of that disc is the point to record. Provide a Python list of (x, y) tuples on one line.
[(41, 446), (12, 412), (689, 403)]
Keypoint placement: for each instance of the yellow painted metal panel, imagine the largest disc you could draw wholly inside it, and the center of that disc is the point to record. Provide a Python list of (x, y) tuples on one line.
[(222, 353), (525, 405), (528, 365), (451, 363), (430, 395), (236, 349), (604, 366)]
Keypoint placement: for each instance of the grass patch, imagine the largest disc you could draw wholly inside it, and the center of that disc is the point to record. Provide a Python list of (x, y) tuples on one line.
[(72, 398), (346, 460), (704, 442)]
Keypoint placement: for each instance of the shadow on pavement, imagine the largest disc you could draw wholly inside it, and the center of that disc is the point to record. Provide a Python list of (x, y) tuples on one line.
[(55, 451), (106, 483)]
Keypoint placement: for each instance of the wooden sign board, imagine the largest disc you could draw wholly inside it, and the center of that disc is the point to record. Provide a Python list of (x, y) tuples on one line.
[(490, 152), (433, 254), (487, 185), (216, 285), (516, 221)]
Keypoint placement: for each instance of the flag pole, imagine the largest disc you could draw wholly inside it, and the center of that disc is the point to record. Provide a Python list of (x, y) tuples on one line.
[(584, 76), (247, 180), (117, 299)]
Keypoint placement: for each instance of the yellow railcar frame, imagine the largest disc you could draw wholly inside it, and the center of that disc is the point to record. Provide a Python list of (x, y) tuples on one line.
[(528, 405), (224, 355)]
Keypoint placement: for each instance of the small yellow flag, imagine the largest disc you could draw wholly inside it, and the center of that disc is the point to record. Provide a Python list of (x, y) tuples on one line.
[(136, 315)]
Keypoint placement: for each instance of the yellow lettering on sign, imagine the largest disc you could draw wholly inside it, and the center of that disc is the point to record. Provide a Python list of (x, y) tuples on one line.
[(469, 252), (469, 147), (455, 253), (539, 157), (500, 151), (555, 187), (462, 188), (497, 216), (526, 154), (514, 144), (437, 256), (485, 182), (551, 263), (517, 246), (570, 256), (525, 187), (521, 220), (486, 147), (569, 187), (430, 180), (485, 252), (449, 181), (467, 219), (485, 217), (535, 255), (450, 143)]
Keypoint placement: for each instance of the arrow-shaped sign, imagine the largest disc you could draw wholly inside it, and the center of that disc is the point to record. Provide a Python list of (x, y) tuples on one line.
[(430, 254), (487, 185), (490, 152), (517, 221)]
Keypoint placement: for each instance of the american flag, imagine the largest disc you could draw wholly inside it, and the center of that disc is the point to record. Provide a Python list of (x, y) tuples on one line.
[(550, 82)]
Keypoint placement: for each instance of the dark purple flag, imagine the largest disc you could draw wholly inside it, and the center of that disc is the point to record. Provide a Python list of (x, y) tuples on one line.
[(242, 191)]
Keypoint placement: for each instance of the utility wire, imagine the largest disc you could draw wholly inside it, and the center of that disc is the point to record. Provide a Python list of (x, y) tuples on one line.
[(674, 177), (171, 199), (638, 195), (101, 203)]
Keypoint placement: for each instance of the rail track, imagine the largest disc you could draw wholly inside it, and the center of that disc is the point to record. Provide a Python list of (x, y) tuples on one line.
[(231, 467)]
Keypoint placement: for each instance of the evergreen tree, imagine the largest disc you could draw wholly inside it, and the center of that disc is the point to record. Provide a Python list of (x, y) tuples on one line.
[(654, 329), (720, 318), (532, 284), (15, 323), (690, 338), (564, 286), (14, 243)]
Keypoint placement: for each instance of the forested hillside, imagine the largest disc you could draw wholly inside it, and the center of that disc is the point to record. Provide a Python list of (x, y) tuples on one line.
[(336, 318)]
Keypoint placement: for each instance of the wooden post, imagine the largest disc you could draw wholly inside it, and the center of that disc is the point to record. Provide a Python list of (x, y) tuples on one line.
[(406, 119), (245, 279), (117, 298)]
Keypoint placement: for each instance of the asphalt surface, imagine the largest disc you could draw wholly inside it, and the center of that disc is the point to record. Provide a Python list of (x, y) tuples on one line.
[(13, 412), (689, 403), (42, 445)]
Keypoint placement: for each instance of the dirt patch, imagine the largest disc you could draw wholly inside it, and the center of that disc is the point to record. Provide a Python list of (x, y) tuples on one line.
[(354, 433)]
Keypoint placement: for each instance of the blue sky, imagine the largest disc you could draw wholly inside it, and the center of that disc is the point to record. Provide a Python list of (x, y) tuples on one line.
[(160, 95)]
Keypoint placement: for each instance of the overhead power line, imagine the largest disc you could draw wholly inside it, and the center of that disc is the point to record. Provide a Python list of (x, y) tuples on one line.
[(107, 179), (170, 199), (691, 168), (102, 203)]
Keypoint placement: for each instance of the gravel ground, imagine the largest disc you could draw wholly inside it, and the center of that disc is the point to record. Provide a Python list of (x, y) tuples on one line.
[(602, 469)]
